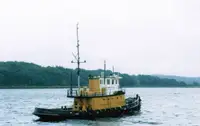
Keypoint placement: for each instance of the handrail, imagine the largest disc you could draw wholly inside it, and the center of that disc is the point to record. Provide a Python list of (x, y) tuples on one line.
[(76, 93)]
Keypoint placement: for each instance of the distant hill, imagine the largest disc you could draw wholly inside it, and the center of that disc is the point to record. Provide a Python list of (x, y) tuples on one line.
[(23, 74), (188, 80)]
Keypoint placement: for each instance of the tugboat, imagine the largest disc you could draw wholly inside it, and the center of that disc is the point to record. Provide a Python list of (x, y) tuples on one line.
[(102, 98)]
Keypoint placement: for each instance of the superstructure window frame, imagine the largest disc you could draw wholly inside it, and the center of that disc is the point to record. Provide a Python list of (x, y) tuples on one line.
[(108, 81)]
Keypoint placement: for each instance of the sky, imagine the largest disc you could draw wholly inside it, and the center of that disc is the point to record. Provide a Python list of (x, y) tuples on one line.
[(134, 36)]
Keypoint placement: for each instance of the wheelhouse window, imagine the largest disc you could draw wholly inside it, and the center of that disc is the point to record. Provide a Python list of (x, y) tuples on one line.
[(113, 81), (108, 81), (117, 81)]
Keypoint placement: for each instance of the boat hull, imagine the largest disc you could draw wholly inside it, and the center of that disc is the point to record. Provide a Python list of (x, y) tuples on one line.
[(132, 106)]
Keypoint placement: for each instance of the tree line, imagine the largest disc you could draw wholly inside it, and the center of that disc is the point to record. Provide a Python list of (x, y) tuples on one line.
[(13, 74)]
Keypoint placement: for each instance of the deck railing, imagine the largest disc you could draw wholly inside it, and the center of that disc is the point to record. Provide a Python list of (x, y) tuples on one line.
[(77, 93)]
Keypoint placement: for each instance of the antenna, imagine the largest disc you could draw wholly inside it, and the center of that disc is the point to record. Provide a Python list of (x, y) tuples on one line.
[(104, 71), (77, 57), (113, 69)]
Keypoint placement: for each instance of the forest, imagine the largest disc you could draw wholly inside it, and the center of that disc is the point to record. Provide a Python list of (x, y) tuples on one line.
[(23, 74)]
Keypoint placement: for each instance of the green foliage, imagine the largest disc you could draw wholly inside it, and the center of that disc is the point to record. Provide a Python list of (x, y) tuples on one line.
[(29, 74)]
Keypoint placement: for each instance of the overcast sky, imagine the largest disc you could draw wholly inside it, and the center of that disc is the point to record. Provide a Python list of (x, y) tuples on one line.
[(136, 36)]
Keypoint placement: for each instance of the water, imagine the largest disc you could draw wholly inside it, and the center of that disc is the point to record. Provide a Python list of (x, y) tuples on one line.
[(160, 106)]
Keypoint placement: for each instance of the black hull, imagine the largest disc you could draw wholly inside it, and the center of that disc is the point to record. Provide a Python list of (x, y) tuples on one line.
[(132, 106)]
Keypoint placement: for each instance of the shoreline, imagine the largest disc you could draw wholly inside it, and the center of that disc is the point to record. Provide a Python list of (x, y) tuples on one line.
[(62, 87)]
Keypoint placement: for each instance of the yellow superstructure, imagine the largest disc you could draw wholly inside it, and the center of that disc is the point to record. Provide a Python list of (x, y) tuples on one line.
[(94, 85), (94, 98)]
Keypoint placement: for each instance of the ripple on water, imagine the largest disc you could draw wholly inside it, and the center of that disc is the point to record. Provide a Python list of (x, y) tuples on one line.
[(160, 106)]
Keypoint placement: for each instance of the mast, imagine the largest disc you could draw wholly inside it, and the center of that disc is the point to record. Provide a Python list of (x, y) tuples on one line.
[(104, 72), (77, 58), (71, 83)]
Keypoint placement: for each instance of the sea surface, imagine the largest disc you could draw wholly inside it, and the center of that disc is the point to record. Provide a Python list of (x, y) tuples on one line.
[(160, 107)]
